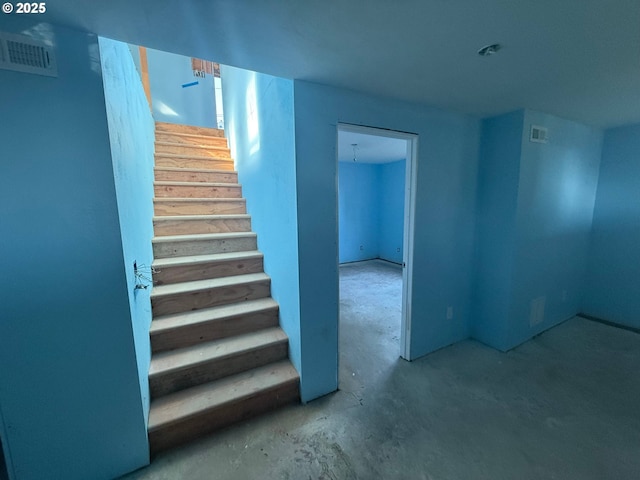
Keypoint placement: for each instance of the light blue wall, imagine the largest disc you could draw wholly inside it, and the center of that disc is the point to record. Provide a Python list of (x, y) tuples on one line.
[(194, 105), (131, 134), (444, 223), (613, 281), (535, 211), (371, 211), (259, 123), (556, 195), (498, 180), (359, 211), (69, 386), (391, 178)]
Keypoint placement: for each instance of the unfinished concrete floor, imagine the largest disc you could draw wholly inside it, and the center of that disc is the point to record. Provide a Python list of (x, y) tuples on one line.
[(565, 405)]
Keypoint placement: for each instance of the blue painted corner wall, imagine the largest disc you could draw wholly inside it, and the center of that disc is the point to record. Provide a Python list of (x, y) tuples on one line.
[(391, 227), (613, 285), (371, 211), (359, 211), (69, 386), (535, 209)]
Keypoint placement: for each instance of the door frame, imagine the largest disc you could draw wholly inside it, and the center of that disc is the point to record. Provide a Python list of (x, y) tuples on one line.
[(409, 219)]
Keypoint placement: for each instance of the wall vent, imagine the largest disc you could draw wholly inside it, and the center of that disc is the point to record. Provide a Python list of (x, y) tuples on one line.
[(538, 134), (23, 54)]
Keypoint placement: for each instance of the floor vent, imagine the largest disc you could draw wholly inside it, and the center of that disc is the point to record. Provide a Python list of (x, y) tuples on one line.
[(23, 54)]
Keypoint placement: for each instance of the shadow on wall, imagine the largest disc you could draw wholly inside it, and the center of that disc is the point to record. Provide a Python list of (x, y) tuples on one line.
[(3, 466)]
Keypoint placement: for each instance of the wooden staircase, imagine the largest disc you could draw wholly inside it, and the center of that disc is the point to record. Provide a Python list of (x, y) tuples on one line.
[(218, 354)]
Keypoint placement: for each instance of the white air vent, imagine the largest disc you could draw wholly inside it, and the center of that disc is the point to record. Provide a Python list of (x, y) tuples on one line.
[(23, 54), (538, 134)]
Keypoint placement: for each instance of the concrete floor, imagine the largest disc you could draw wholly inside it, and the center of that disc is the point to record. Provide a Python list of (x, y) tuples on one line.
[(565, 405)]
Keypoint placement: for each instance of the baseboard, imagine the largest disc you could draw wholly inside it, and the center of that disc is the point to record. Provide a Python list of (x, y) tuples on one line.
[(609, 323)]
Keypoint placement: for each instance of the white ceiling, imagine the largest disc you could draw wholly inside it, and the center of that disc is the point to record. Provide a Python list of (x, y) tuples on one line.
[(370, 148), (578, 59)]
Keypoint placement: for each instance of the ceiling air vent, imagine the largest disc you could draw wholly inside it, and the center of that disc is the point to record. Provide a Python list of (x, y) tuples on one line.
[(23, 54), (538, 134)]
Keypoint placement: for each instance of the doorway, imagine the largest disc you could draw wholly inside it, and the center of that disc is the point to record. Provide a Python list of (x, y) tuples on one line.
[(376, 203)]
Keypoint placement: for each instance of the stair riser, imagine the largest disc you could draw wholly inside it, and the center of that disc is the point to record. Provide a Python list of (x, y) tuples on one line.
[(186, 176), (209, 421), (214, 330), (183, 302), (196, 191), (186, 162), (188, 273), (203, 247), (187, 150), (199, 208), (175, 128), (188, 227), (170, 382), (205, 141)]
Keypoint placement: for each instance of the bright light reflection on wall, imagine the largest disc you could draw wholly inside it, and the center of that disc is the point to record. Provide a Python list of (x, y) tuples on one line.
[(164, 108), (253, 124)]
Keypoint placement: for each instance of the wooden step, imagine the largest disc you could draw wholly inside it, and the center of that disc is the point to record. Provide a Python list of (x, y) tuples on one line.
[(186, 415), (193, 130), (196, 190), (176, 174), (193, 224), (187, 367), (203, 244), (193, 161), (190, 139), (184, 329), (199, 206), (188, 150), (186, 296), (200, 267)]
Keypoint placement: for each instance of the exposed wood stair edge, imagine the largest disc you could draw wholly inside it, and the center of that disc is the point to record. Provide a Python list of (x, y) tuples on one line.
[(179, 320), (175, 407), (182, 358)]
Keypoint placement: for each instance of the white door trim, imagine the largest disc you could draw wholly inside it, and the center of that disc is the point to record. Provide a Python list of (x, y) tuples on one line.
[(409, 219)]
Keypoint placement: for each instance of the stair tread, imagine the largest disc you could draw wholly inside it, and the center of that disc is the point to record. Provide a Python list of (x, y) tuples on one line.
[(178, 359), (192, 169), (193, 317), (197, 157), (214, 216), (184, 134), (182, 145), (204, 199), (202, 236), (198, 285), (196, 259), (175, 407), (163, 183), (182, 126)]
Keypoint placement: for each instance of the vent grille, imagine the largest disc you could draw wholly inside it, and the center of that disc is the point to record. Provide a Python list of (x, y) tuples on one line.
[(23, 54), (538, 134)]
